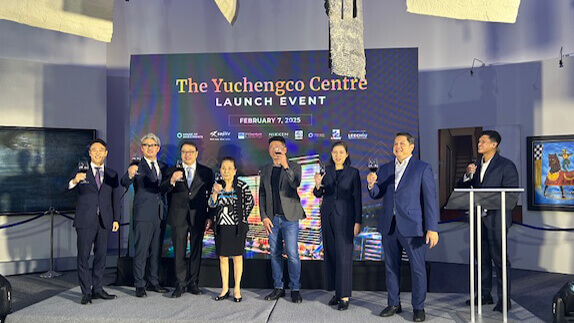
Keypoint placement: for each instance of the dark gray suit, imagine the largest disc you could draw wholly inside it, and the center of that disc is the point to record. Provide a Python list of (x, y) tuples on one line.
[(148, 213), (285, 227)]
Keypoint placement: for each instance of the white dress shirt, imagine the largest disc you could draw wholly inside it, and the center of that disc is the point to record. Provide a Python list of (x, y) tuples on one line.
[(400, 168), (149, 161)]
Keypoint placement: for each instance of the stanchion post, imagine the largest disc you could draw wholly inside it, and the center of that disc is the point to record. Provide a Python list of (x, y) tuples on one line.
[(51, 273)]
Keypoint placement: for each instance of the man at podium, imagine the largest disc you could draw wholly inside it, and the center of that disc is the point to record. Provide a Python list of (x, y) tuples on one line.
[(492, 171)]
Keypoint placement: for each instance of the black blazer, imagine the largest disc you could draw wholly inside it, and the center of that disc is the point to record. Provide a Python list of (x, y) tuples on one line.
[(107, 199), (343, 195), (189, 204), (148, 198), (501, 173)]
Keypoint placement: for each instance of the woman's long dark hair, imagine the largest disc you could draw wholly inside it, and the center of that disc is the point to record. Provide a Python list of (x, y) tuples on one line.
[(341, 143)]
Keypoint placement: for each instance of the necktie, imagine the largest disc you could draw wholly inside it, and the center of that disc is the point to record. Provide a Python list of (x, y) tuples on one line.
[(98, 179), (153, 172), (189, 176)]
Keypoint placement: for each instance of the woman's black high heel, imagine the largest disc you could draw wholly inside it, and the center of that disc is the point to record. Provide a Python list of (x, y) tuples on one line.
[(222, 297)]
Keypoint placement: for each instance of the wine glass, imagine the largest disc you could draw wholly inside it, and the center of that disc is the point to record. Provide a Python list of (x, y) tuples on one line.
[(373, 165), (136, 161), (219, 179), (179, 167), (83, 167), (321, 169)]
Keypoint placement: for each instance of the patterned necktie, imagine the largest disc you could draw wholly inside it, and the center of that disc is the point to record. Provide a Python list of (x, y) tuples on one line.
[(189, 176), (98, 179), (153, 172)]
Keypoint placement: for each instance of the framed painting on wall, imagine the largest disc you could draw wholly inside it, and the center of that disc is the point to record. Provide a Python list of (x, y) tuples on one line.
[(550, 174)]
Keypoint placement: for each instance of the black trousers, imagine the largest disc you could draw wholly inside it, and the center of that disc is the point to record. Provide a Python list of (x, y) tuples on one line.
[(492, 254), (98, 238), (187, 276), (337, 231), (147, 252)]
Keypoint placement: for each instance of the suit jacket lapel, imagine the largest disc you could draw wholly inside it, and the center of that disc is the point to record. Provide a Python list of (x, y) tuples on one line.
[(405, 173), (91, 178), (491, 165)]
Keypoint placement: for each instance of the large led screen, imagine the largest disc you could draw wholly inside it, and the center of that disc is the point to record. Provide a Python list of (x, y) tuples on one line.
[(230, 104)]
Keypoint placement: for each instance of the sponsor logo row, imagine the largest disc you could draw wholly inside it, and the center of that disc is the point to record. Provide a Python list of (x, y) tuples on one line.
[(223, 135)]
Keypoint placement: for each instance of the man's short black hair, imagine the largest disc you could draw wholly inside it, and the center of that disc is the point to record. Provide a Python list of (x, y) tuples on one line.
[(188, 142), (410, 138), (98, 141), (277, 138), (492, 135)]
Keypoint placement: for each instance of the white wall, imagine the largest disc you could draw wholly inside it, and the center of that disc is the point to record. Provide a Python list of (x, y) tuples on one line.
[(47, 79), (528, 98)]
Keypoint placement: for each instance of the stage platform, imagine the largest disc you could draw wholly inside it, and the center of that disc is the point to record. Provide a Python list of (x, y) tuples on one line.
[(365, 307)]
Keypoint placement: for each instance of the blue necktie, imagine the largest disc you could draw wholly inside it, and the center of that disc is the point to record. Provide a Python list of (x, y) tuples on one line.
[(189, 176), (153, 172)]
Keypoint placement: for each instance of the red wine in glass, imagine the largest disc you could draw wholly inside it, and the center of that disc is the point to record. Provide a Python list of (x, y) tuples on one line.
[(321, 169), (373, 165), (179, 167), (83, 167), (135, 162), (219, 179)]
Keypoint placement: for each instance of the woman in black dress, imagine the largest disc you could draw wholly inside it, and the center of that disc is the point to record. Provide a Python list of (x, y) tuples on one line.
[(341, 218), (233, 202)]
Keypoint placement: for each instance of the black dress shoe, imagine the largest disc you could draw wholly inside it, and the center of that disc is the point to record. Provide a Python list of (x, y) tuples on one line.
[(157, 289), (237, 299), (419, 315), (334, 301), (498, 306), (103, 295), (486, 300), (296, 296), (222, 297), (194, 290), (343, 305), (140, 292), (275, 294), (86, 299), (391, 310), (177, 292)]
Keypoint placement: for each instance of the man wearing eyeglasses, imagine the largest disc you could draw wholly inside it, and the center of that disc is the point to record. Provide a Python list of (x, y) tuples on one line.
[(148, 213), (187, 190)]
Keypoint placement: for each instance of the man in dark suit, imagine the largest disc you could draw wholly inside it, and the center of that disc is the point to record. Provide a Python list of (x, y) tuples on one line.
[(280, 209), (409, 220), (97, 210), (187, 193), (148, 214), (493, 171)]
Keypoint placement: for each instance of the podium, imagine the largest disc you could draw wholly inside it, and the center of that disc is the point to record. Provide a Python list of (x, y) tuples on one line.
[(477, 199)]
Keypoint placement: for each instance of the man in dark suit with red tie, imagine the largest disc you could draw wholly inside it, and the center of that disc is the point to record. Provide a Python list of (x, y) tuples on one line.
[(409, 220), (148, 214), (188, 189), (493, 171), (97, 211)]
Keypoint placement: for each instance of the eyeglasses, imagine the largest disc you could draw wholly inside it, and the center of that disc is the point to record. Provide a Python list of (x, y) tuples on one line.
[(184, 152), (150, 145)]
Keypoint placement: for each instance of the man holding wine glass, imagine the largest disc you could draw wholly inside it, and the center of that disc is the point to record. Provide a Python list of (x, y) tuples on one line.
[(148, 214), (97, 211), (188, 186), (409, 220), (280, 209)]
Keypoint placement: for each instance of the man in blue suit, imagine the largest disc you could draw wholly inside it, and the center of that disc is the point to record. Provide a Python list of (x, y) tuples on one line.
[(148, 214), (97, 210), (493, 171), (409, 220)]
